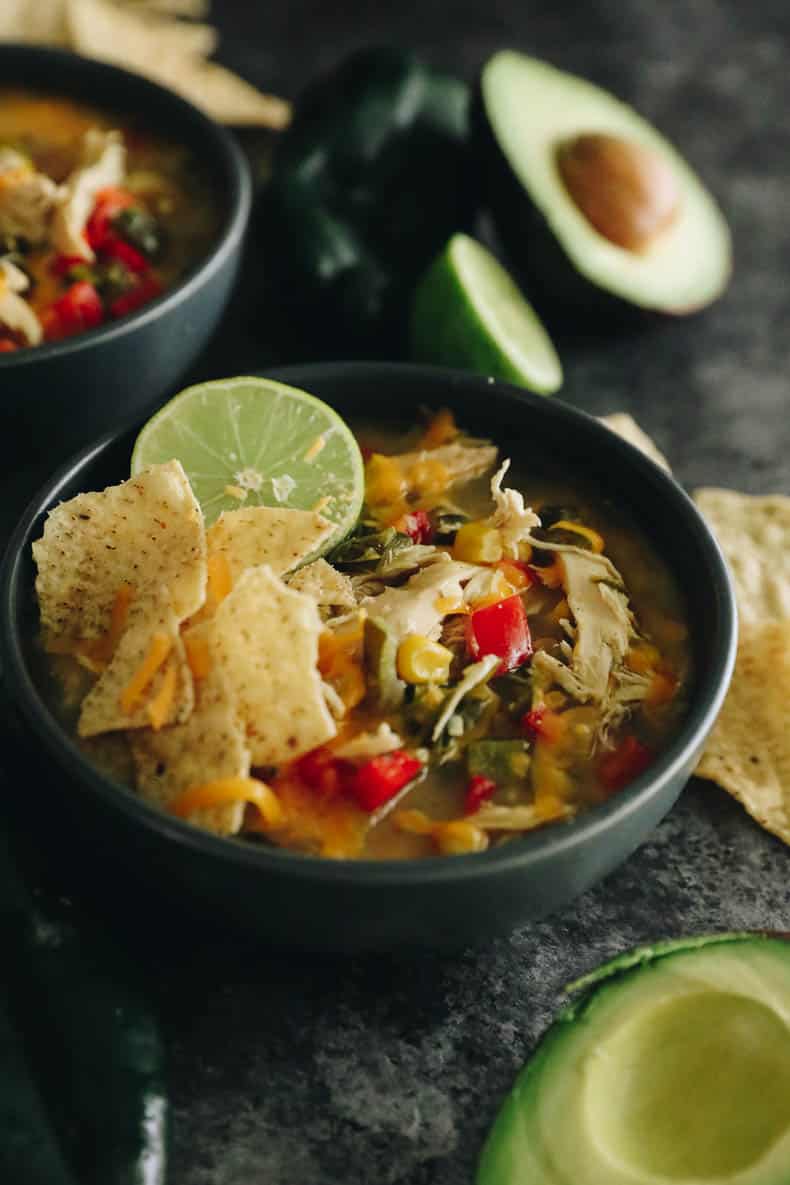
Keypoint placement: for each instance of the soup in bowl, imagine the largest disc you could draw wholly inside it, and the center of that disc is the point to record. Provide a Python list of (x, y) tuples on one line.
[(487, 692)]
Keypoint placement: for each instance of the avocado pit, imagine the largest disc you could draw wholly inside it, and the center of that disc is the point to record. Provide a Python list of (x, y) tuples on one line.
[(624, 189)]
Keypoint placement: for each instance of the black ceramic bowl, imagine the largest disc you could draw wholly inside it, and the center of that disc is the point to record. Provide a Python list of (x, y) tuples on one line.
[(323, 904), (56, 397)]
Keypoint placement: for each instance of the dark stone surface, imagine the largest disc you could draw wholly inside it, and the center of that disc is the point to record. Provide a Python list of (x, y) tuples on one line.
[(300, 1071), (307, 1072)]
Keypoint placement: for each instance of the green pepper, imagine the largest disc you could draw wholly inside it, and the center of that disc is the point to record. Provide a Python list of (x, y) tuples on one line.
[(83, 1061), (504, 762), (368, 183)]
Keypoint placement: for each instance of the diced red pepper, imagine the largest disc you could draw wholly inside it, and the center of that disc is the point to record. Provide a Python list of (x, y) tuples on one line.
[(479, 790), (542, 724), (7, 344), (62, 264), (147, 288), (416, 524), (109, 203), (321, 771), (623, 763), (378, 780), (79, 308), (126, 253), (501, 629)]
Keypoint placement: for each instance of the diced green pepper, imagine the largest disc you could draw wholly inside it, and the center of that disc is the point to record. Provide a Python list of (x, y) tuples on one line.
[(385, 689), (503, 761)]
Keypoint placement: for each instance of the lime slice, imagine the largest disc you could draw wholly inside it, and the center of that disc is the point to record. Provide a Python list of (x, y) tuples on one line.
[(468, 312), (249, 441)]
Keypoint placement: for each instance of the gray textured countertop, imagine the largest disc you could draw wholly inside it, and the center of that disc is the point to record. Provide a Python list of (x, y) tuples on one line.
[(380, 1071), (321, 1072)]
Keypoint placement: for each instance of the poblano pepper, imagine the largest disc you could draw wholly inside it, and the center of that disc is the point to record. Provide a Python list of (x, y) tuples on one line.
[(368, 183)]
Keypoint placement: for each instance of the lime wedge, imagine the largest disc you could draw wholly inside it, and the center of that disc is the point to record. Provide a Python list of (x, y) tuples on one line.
[(249, 441), (468, 312)]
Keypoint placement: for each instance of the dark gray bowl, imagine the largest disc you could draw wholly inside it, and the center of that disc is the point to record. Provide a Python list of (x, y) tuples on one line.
[(60, 395), (347, 905)]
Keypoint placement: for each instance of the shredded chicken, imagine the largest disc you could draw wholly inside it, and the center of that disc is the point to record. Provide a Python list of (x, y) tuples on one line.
[(27, 198), (103, 164), (15, 313), (462, 462), (369, 744), (415, 607), (511, 517)]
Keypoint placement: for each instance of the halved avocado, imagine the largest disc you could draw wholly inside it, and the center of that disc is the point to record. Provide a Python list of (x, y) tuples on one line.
[(672, 1069), (589, 199)]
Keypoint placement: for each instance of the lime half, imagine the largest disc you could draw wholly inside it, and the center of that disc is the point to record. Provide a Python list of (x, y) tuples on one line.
[(468, 312), (249, 441)]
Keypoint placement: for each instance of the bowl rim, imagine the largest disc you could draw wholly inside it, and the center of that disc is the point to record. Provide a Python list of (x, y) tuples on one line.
[(236, 191), (535, 848)]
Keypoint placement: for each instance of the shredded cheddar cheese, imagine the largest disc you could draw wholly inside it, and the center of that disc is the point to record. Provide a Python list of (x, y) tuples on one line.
[(140, 681), (236, 492), (198, 655), (158, 709), (314, 449), (220, 581), (229, 790)]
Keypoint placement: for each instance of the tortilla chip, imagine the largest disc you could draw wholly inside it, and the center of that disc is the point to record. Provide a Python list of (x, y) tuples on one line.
[(193, 9), (264, 638), (210, 745), (110, 753), (627, 427), (754, 534), (257, 535), (147, 532), (173, 53), (101, 708), (324, 584), (748, 752), (101, 29), (41, 22)]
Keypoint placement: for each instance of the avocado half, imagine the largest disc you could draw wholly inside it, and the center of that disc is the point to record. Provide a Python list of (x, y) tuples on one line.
[(527, 110), (672, 1069)]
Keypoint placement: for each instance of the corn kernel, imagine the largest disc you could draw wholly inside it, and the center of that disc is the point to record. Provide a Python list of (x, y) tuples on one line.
[(384, 481), (642, 657), (478, 543), (458, 837), (422, 661), (414, 822), (595, 540)]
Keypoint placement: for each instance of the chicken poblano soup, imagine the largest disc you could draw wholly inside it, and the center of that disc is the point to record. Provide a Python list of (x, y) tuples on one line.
[(491, 650), (97, 217)]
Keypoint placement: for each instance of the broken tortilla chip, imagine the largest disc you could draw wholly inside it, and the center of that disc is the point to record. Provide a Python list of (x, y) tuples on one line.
[(748, 752), (173, 53), (626, 426), (207, 747), (264, 638), (257, 535), (324, 584), (146, 533), (107, 706), (753, 531)]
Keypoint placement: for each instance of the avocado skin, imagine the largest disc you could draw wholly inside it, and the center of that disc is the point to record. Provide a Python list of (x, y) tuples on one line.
[(562, 294), (499, 1155)]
